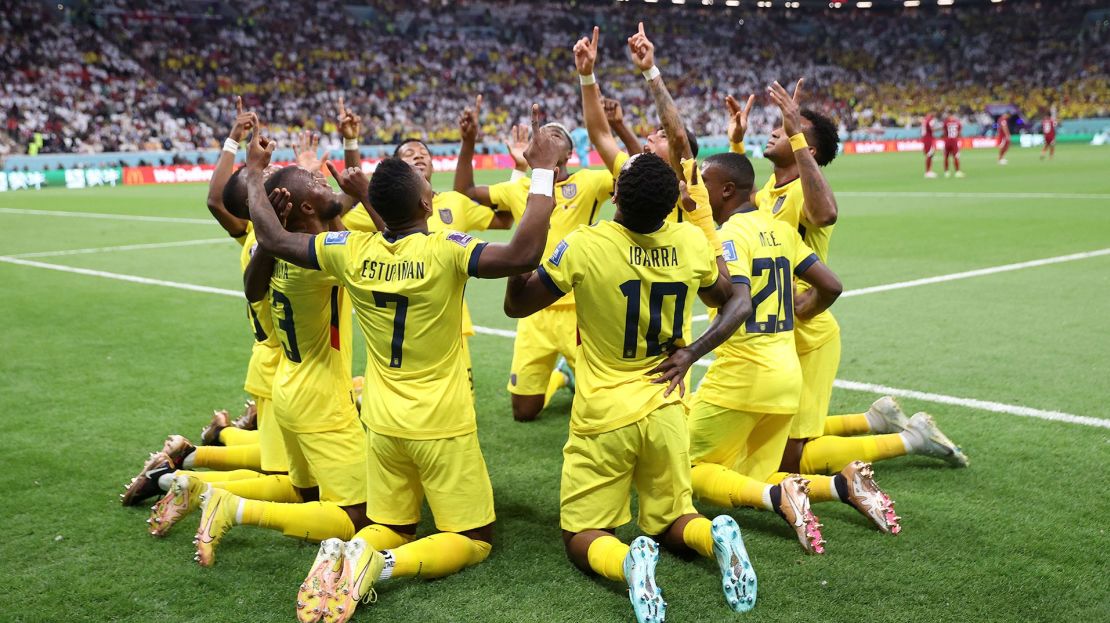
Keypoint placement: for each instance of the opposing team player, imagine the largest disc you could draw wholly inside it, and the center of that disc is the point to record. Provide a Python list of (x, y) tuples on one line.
[(928, 142), (952, 129), (1003, 137), (406, 285), (1048, 128), (635, 279)]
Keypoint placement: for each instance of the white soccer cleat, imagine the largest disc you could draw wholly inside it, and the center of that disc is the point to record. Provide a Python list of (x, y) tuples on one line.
[(738, 580), (1003, 162), (947, 174), (930, 175), (934, 442), (885, 416), (639, 572), (960, 174)]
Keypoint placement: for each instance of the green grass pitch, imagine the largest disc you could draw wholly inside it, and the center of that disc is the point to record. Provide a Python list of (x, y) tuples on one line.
[(97, 371)]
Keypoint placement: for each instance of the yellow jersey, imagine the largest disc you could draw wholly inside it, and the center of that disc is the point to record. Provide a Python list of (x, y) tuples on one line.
[(407, 294), (450, 210), (312, 318), (787, 203), (635, 296), (578, 201), (265, 351), (702, 215), (756, 369)]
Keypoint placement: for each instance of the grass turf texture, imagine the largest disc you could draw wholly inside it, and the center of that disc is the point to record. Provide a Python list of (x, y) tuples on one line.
[(96, 373)]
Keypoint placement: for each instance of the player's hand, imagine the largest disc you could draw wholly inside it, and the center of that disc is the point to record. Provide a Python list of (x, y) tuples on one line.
[(544, 150), (789, 105), (613, 112), (352, 181), (282, 200), (642, 49), (260, 151), (804, 302), (468, 121), (585, 54), (673, 369), (517, 143), (350, 124), (304, 151), (244, 122), (688, 202), (738, 117)]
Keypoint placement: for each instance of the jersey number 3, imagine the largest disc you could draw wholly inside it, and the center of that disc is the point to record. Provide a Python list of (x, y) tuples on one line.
[(658, 291), (287, 330)]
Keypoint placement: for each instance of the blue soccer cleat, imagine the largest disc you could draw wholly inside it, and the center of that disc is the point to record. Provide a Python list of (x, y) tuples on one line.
[(639, 572), (737, 575), (563, 366)]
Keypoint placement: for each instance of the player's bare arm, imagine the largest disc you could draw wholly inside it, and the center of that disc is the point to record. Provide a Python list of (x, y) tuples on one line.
[(524, 251), (272, 236), (643, 56), (464, 170), (350, 128), (356, 186), (516, 144), (593, 111), (527, 294), (614, 115), (256, 278), (245, 122), (820, 204), (826, 289)]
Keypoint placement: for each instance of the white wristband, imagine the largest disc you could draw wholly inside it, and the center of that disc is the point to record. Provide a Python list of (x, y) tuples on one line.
[(587, 80), (231, 146), (543, 182), (350, 144), (651, 74), (516, 175)]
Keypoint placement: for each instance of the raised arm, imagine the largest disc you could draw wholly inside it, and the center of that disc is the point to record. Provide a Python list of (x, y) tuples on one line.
[(614, 116), (738, 122), (643, 56), (820, 203), (826, 289), (350, 128), (225, 166), (464, 169), (356, 187), (296, 248), (256, 279), (585, 55)]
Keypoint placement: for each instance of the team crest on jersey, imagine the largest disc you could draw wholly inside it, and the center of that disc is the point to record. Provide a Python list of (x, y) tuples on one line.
[(557, 254), (336, 237), (729, 251), (569, 191), (778, 205), (446, 216), (460, 238)]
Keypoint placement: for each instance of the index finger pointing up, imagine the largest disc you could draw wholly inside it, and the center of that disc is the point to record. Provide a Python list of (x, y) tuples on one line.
[(593, 41), (342, 108)]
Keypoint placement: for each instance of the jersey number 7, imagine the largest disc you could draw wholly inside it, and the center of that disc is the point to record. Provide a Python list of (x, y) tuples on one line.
[(401, 312)]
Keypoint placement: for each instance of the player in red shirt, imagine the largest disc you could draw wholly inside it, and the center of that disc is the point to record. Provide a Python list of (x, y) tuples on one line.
[(952, 129), (1003, 137), (1048, 128), (928, 138)]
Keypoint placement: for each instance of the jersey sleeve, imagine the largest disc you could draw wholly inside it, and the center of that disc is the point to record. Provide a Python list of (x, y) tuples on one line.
[(510, 196), (562, 270), (331, 252), (804, 256), (464, 250), (474, 216), (702, 215), (618, 162)]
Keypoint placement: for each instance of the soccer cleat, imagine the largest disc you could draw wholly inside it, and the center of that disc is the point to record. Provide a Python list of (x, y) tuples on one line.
[(934, 442), (1003, 162), (794, 506), (865, 496), (182, 498), (889, 413), (960, 174), (145, 484), (217, 515), (930, 175), (737, 575), (564, 366), (320, 583), (639, 572), (361, 567), (249, 419), (210, 435), (947, 174), (177, 448)]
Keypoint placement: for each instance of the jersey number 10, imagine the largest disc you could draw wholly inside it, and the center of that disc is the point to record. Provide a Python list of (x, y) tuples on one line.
[(657, 292)]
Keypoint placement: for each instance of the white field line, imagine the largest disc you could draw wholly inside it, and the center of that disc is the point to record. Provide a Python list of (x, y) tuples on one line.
[(113, 217), (980, 272), (954, 195), (996, 407), (124, 247)]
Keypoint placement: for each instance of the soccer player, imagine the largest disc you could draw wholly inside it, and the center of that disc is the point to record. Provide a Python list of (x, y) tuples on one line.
[(634, 279), (406, 286), (614, 116), (1048, 128), (952, 129), (928, 140), (1003, 137)]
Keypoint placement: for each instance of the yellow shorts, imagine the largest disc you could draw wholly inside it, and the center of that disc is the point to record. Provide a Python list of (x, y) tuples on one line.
[(333, 460), (270, 441), (747, 443), (600, 470), (450, 472), (819, 368), (540, 339)]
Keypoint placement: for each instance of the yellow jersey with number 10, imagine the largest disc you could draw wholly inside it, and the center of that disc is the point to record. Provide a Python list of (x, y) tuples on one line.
[(266, 351)]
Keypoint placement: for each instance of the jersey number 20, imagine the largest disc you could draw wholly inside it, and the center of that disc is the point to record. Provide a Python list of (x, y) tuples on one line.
[(778, 284)]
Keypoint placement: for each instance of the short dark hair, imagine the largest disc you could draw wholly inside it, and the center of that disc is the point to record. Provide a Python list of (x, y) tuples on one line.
[(737, 169), (647, 190), (395, 190), (235, 195), (406, 141), (823, 136)]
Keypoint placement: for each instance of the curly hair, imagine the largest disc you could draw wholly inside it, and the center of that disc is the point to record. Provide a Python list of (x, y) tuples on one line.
[(647, 191), (395, 190), (823, 136)]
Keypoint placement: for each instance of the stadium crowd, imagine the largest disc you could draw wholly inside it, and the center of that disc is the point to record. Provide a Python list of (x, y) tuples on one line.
[(124, 75)]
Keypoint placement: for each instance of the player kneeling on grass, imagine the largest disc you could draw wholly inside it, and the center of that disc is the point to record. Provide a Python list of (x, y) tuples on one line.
[(634, 280), (406, 285)]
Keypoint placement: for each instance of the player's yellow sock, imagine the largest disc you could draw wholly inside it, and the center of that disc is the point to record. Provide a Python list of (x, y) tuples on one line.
[(828, 455), (232, 436), (721, 486), (606, 556), (273, 488), (847, 425), (311, 521), (382, 537), (557, 381), (697, 534), (221, 476), (438, 555), (226, 457)]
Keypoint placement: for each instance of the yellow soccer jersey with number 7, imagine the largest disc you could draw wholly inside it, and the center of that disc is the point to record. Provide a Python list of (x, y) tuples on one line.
[(312, 317), (634, 293), (408, 296)]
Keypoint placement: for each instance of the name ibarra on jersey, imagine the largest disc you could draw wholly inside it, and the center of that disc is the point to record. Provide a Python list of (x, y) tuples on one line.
[(657, 257), (386, 271)]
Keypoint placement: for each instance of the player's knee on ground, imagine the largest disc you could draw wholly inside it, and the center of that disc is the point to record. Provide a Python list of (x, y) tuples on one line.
[(526, 408)]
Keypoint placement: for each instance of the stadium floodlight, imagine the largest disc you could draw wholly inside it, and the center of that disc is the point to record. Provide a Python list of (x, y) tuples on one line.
[(678, 1), (707, 2), (732, 2), (912, 3), (863, 5), (946, 2)]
